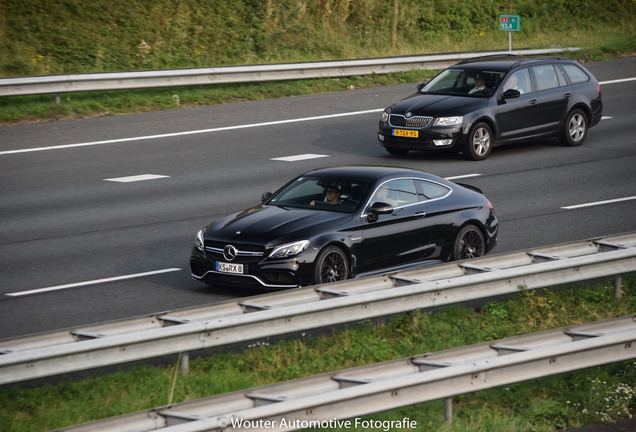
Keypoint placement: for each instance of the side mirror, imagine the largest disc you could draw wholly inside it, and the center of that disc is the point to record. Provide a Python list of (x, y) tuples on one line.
[(511, 94), (377, 209), (266, 196), (421, 85)]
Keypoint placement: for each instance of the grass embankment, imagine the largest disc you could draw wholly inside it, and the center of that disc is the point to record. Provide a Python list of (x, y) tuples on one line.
[(595, 395), (43, 37)]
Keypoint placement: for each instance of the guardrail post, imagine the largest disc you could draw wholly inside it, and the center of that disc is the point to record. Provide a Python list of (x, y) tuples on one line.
[(618, 283), (57, 98), (448, 410), (185, 363)]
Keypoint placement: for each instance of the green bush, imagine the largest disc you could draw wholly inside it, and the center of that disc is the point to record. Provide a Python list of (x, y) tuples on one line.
[(67, 36)]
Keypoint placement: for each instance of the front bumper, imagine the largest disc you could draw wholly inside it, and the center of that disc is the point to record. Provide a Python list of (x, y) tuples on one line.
[(430, 138), (273, 275)]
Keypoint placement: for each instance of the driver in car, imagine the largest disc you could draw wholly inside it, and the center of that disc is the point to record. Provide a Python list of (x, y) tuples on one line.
[(332, 194)]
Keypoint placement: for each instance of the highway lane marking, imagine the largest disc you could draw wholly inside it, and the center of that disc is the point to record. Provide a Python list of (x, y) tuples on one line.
[(618, 81), (462, 176), (300, 157), (597, 203), (93, 282), (194, 132), (226, 128), (136, 178)]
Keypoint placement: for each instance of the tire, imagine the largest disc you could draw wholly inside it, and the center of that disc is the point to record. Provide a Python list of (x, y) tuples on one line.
[(331, 266), (479, 142), (574, 129), (469, 243)]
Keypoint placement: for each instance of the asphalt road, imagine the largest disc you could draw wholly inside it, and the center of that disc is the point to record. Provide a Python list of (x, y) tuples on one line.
[(79, 245)]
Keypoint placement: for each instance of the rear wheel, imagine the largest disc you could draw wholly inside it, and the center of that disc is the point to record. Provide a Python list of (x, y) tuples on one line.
[(479, 142), (331, 266), (469, 243), (575, 128)]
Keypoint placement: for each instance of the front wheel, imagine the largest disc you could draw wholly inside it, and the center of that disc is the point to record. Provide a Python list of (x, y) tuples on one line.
[(331, 266), (575, 128), (479, 142), (469, 243)]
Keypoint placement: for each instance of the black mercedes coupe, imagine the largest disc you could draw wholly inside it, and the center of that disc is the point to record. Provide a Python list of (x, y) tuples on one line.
[(336, 223)]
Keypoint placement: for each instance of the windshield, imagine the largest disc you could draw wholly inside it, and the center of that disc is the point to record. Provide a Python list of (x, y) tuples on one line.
[(464, 82), (318, 193)]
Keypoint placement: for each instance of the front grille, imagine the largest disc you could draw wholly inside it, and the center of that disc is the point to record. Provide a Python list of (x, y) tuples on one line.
[(399, 120), (245, 253)]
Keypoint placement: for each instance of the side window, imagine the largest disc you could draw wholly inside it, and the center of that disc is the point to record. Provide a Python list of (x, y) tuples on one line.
[(575, 74), (396, 193), (430, 190), (561, 76), (546, 77), (519, 80)]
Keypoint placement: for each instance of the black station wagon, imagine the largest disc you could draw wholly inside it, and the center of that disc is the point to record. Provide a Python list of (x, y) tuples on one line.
[(481, 103)]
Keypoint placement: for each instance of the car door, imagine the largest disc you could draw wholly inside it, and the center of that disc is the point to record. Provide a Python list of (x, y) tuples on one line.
[(393, 238), (553, 97), (517, 117)]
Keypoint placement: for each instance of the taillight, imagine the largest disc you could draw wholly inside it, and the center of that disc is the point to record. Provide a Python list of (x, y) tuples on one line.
[(598, 89), (489, 205)]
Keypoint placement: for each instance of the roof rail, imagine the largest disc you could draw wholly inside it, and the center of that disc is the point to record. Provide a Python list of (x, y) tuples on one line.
[(510, 57), (539, 59), (488, 57), (548, 58)]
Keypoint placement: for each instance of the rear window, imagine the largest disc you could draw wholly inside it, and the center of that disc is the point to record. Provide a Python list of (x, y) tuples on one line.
[(429, 190), (575, 73), (546, 77)]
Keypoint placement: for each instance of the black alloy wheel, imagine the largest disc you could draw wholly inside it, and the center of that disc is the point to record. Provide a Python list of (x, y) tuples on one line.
[(331, 266), (469, 243)]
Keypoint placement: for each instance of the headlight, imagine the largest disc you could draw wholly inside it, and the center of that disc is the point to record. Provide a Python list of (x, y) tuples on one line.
[(385, 115), (199, 241), (449, 121), (289, 249)]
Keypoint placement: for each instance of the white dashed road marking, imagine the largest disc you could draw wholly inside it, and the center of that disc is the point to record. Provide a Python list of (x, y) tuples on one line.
[(93, 282), (596, 203), (299, 157), (135, 178), (463, 176)]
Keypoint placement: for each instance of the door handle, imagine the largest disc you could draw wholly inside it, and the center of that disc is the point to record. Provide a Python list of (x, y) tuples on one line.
[(420, 214), (532, 101)]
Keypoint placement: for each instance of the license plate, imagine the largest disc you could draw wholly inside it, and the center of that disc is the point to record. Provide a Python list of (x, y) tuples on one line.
[(405, 133), (229, 268)]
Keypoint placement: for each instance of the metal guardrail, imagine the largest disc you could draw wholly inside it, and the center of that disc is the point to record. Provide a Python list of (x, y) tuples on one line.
[(20, 86), (301, 309), (336, 399)]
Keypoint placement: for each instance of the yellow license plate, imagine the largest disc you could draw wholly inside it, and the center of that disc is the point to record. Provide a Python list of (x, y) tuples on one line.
[(405, 133)]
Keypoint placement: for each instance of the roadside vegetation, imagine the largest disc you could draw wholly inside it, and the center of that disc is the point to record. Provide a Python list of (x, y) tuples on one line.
[(41, 37), (596, 395)]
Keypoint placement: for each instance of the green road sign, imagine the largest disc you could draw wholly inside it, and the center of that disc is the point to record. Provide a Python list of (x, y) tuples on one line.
[(509, 22)]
